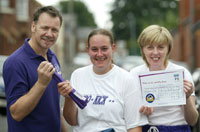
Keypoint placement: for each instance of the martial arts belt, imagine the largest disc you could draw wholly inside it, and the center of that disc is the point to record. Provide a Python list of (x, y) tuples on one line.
[(80, 100)]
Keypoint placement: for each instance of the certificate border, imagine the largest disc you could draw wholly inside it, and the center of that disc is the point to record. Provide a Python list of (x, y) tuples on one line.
[(153, 73)]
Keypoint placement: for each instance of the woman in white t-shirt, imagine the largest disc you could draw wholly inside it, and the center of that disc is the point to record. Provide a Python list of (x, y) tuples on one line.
[(113, 99), (156, 43)]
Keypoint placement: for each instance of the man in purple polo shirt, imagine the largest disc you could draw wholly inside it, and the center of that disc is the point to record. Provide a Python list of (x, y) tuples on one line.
[(31, 91)]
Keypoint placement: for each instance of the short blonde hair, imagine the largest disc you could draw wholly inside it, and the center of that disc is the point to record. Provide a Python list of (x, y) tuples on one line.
[(155, 34)]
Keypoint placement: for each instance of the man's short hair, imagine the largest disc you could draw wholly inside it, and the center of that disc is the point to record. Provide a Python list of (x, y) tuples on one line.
[(49, 10)]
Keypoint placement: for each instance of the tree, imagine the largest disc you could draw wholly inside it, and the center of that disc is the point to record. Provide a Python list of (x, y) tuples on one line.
[(84, 17), (131, 17)]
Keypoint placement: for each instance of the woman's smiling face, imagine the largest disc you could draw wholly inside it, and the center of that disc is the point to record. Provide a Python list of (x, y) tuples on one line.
[(156, 55), (156, 43), (100, 51)]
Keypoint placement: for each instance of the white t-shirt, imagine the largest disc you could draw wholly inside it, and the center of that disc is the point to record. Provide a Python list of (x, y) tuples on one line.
[(114, 101), (167, 115)]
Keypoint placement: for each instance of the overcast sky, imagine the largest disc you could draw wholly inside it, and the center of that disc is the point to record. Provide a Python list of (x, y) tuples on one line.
[(99, 8)]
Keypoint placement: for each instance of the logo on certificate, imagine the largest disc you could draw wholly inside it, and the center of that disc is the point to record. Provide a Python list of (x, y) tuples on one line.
[(150, 98), (176, 77)]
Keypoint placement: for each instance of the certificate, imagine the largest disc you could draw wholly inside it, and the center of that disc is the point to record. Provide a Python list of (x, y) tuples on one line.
[(163, 88)]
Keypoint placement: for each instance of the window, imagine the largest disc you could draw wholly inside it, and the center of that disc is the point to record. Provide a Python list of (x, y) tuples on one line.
[(4, 3), (5, 7), (22, 10)]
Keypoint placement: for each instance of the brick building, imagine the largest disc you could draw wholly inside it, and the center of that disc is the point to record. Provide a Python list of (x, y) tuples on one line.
[(15, 17), (187, 39)]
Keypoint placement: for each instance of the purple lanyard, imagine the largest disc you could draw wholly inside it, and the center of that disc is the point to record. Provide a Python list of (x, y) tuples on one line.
[(80, 100)]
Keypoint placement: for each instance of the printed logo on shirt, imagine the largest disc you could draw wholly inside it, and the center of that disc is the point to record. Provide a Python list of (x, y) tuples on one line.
[(56, 66), (99, 100), (150, 98)]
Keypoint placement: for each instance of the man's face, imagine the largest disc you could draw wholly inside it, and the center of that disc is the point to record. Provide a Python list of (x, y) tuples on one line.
[(45, 31)]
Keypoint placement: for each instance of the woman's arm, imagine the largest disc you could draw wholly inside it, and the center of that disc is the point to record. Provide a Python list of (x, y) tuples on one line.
[(70, 110), (137, 129), (63, 123), (190, 112)]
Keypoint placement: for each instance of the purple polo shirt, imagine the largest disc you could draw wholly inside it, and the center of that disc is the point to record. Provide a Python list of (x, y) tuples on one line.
[(20, 74)]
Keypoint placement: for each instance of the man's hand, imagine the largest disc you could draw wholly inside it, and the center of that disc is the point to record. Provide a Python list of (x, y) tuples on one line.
[(45, 72)]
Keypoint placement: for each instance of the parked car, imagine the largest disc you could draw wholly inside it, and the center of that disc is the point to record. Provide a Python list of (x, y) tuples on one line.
[(82, 59), (130, 62), (196, 79), (181, 63), (2, 88)]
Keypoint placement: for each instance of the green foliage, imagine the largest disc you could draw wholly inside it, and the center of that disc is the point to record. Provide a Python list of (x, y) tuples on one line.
[(84, 17), (142, 13)]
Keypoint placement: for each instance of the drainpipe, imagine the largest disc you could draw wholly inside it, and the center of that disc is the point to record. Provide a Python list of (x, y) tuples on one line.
[(191, 24)]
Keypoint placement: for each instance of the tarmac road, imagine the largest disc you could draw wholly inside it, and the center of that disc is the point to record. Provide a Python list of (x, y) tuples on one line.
[(3, 123)]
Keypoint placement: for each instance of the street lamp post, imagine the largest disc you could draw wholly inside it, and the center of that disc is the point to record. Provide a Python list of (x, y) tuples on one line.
[(131, 19), (71, 35)]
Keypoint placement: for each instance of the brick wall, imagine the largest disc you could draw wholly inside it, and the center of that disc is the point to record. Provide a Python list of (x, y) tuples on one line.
[(187, 43), (13, 32)]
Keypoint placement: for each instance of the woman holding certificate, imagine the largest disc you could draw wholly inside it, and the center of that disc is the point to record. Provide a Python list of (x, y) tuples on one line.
[(113, 99), (156, 44)]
